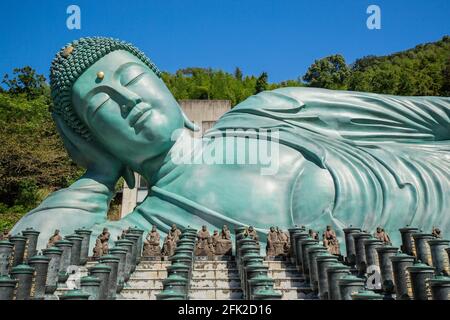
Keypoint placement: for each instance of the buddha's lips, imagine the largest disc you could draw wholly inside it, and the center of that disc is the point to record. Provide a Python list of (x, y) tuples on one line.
[(141, 110)]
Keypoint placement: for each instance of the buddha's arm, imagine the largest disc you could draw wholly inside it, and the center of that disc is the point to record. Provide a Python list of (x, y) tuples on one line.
[(84, 203)]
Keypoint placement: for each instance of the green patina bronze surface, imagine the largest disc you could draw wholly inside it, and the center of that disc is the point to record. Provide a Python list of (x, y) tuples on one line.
[(344, 158)]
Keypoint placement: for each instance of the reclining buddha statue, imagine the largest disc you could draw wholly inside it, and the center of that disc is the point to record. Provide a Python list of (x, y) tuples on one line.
[(337, 158)]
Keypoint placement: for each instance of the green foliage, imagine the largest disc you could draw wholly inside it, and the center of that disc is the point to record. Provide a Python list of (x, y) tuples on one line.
[(206, 83), (262, 83), (421, 71), (26, 81), (33, 161), (330, 73)]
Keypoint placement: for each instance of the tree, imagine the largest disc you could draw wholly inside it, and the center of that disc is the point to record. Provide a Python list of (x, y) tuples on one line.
[(445, 91), (25, 80), (238, 74), (261, 83), (330, 72)]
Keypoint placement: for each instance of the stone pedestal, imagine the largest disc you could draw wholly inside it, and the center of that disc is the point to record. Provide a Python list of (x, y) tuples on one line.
[(90, 285), (292, 251), (439, 257), (334, 273), (350, 244), (40, 265), (324, 260), (440, 288), (102, 272), (84, 251), (54, 254), (304, 245), (366, 295), (19, 243), (6, 251), (75, 295), (140, 241), (32, 239), (113, 262), (75, 255), (420, 274), (384, 254), (370, 246), (298, 238), (423, 251), (128, 245), (24, 275), (360, 258), (313, 252), (407, 240), (120, 253), (400, 264), (349, 285), (66, 258), (135, 250), (7, 287)]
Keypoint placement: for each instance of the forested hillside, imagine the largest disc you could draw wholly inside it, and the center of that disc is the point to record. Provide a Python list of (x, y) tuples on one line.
[(33, 161)]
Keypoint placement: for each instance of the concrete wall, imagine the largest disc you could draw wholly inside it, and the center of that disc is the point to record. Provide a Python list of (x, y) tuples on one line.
[(204, 113)]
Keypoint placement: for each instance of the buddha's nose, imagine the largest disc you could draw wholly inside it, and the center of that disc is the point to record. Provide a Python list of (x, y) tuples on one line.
[(129, 98)]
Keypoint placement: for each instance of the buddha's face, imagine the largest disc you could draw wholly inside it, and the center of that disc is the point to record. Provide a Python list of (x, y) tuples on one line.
[(127, 109)]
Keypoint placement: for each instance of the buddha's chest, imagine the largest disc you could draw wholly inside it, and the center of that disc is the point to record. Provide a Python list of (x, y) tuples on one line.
[(252, 191)]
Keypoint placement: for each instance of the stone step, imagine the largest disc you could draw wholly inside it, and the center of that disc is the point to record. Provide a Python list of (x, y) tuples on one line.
[(138, 294), (214, 265), (288, 283), (294, 294), (278, 264), (232, 283), (159, 265), (283, 273), (215, 294), (149, 274), (218, 274), (145, 283)]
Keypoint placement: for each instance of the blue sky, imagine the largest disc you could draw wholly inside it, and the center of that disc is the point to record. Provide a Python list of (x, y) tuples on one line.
[(280, 37)]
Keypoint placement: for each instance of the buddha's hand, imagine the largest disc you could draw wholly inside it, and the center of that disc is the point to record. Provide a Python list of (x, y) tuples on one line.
[(99, 163)]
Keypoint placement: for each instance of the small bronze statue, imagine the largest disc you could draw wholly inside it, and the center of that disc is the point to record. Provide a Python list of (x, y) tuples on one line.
[(169, 245), (274, 245), (101, 243), (251, 233), (382, 235), (55, 237), (436, 232), (175, 232), (283, 239), (222, 241), (313, 234), (202, 246), (123, 234), (330, 241), (5, 235), (151, 244)]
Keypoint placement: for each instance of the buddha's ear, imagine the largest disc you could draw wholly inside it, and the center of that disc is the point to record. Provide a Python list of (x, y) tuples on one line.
[(128, 175), (188, 123)]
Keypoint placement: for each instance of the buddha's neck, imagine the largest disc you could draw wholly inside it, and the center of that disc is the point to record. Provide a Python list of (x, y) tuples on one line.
[(150, 168)]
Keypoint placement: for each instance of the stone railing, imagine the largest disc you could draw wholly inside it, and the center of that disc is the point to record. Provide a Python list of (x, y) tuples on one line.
[(179, 273), (370, 269)]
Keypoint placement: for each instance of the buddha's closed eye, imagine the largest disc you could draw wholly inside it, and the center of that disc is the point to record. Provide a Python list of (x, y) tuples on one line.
[(98, 101), (132, 75)]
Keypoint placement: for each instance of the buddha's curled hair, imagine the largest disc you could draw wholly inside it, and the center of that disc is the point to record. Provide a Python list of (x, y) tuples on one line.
[(71, 61)]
